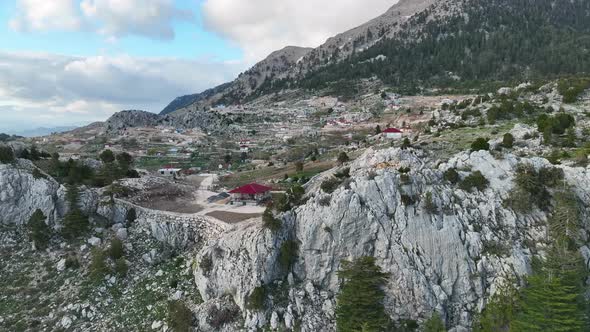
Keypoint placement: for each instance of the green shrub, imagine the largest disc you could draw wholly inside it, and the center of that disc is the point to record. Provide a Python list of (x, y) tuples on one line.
[(98, 265), (406, 143), (571, 88), (496, 249), (434, 324), (343, 158), (269, 221), (72, 262), (520, 201), (281, 203), (180, 317), (451, 175), (330, 185), (408, 200), (121, 267), (531, 184), (474, 180), (288, 254), (257, 298), (508, 141), (131, 216), (116, 249), (480, 144), (429, 205), (39, 232), (6, 155), (206, 264), (557, 124), (343, 173), (107, 156)]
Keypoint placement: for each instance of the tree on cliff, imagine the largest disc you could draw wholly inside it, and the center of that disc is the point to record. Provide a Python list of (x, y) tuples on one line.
[(360, 302), (39, 232)]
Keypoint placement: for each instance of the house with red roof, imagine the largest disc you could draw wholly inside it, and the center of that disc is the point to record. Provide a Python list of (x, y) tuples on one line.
[(393, 133), (250, 193)]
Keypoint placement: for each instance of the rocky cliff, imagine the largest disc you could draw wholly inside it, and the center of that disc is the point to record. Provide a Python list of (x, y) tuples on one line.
[(449, 257), (23, 189), (132, 118), (449, 261)]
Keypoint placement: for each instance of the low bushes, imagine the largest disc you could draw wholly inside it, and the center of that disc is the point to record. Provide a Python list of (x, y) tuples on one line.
[(257, 298), (116, 250), (180, 317), (288, 254), (269, 221), (330, 185), (6, 155), (480, 144), (475, 180)]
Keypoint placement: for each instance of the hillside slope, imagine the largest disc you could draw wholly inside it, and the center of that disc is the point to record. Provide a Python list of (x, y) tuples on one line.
[(432, 43)]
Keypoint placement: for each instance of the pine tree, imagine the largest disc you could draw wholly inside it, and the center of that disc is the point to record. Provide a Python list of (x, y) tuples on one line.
[(554, 297), (549, 304), (499, 311), (39, 232), (360, 302)]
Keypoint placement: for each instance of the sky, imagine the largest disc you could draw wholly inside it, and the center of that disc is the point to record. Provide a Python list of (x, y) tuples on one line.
[(73, 62)]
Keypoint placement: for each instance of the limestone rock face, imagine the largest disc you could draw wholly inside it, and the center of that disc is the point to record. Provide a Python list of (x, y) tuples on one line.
[(220, 314), (449, 260), (241, 260), (22, 192)]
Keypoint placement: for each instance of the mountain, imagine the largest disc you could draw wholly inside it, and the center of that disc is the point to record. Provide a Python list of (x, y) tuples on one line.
[(184, 101), (273, 67), (430, 43), (42, 131)]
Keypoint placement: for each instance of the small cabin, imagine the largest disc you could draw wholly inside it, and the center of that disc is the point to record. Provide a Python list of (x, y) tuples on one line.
[(173, 172), (251, 193)]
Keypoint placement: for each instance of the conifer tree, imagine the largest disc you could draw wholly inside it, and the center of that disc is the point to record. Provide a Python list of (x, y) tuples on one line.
[(360, 302)]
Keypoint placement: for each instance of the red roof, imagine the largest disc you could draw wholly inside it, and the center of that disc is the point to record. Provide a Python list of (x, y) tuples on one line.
[(251, 189), (392, 130)]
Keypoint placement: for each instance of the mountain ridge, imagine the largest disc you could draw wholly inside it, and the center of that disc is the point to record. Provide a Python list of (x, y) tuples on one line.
[(423, 43)]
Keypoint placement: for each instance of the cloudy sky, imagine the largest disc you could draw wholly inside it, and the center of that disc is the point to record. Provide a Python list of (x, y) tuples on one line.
[(71, 62)]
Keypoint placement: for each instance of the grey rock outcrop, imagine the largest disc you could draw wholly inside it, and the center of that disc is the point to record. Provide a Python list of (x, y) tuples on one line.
[(449, 261), (132, 118), (24, 189)]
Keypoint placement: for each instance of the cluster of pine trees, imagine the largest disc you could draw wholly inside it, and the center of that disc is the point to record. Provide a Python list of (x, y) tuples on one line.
[(553, 297), (499, 40)]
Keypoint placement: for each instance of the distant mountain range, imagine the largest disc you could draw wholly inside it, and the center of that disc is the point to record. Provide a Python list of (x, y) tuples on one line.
[(433, 43), (42, 131)]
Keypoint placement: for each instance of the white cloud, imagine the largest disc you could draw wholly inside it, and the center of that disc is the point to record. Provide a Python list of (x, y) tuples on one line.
[(263, 26), (44, 15), (54, 90), (111, 18), (151, 18)]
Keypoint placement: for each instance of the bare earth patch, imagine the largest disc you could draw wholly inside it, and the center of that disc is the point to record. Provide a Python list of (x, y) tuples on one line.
[(232, 217), (178, 205)]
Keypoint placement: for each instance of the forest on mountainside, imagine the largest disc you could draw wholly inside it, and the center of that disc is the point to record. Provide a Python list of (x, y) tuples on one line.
[(484, 41)]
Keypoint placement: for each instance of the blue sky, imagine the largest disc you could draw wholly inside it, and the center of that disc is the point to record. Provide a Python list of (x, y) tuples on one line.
[(192, 40), (72, 62)]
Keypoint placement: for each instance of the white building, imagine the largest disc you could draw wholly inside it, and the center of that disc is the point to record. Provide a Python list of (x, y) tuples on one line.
[(169, 171), (393, 133)]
